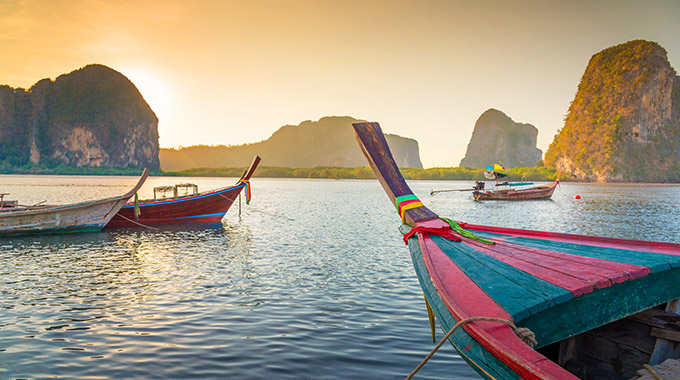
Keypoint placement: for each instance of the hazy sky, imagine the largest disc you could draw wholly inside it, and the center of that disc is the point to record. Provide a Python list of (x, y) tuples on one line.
[(232, 72)]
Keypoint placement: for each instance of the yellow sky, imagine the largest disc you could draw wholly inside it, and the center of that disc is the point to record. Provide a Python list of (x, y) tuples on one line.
[(232, 72)]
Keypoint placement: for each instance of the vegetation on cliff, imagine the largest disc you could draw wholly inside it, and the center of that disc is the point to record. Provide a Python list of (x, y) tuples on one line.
[(93, 116), (624, 122), (365, 172), (327, 142), (497, 138)]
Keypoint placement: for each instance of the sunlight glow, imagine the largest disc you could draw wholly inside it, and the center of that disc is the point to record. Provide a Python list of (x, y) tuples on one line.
[(153, 89)]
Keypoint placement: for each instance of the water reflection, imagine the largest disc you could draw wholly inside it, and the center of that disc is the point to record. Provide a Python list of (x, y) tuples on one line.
[(312, 280)]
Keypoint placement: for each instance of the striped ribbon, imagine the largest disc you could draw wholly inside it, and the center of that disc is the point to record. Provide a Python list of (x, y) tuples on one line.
[(406, 202), (247, 183), (456, 227)]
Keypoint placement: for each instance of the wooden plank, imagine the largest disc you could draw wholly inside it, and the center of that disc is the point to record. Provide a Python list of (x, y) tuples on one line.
[(516, 291), (654, 261), (602, 306), (658, 318), (595, 241), (575, 273), (666, 334), (603, 269), (665, 348)]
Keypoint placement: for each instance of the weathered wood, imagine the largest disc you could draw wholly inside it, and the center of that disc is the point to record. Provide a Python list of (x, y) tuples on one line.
[(578, 274), (613, 351), (251, 169), (77, 217), (666, 334), (377, 152), (665, 348), (658, 318), (567, 351)]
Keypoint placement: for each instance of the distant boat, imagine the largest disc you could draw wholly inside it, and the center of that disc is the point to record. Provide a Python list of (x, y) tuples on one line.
[(196, 208), (77, 217), (511, 191), (521, 304), (511, 194)]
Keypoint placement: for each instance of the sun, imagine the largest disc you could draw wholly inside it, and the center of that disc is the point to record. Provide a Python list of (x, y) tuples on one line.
[(154, 90)]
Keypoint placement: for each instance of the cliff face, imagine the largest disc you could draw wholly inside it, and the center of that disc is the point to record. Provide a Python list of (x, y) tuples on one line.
[(624, 122), (497, 138), (327, 142), (93, 116)]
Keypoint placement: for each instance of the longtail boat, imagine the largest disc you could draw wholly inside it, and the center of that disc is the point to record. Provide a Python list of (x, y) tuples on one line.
[(591, 307), (77, 217), (511, 194), (199, 208)]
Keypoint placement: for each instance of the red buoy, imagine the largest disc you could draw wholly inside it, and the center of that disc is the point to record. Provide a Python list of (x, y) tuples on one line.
[(577, 196)]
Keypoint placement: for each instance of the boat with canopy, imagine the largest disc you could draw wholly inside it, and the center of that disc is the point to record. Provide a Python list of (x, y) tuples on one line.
[(523, 304), (183, 204)]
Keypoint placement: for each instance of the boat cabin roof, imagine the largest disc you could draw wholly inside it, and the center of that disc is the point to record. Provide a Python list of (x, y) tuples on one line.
[(186, 189)]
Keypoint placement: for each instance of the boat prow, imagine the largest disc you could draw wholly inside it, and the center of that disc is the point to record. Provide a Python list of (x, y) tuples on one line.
[(590, 302)]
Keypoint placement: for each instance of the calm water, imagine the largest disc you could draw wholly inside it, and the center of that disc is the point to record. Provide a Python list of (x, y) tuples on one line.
[(311, 281)]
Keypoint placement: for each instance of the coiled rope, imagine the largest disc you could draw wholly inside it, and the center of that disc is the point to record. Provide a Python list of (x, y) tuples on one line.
[(523, 333), (652, 371)]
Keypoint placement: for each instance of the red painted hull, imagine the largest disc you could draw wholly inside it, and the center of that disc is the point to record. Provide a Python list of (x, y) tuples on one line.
[(203, 208)]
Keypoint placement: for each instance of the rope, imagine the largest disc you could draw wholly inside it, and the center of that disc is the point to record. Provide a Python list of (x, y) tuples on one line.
[(523, 333), (652, 371), (137, 223), (456, 227), (252, 208)]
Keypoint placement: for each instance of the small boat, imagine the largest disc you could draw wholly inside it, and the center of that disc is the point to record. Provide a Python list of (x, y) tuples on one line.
[(77, 217), (512, 194), (189, 207), (510, 191), (522, 304)]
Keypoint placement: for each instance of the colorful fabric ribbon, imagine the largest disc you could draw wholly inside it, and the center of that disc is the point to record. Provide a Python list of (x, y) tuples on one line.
[(445, 232), (456, 227), (406, 202), (247, 183), (137, 210)]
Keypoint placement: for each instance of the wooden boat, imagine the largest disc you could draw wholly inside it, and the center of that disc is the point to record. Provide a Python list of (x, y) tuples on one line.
[(599, 308), (200, 208), (77, 217), (511, 194)]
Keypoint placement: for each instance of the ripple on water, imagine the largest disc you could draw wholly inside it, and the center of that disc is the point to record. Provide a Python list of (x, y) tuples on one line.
[(312, 281)]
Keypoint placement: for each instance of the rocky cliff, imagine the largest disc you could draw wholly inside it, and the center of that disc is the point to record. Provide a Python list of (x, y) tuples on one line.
[(93, 116), (327, 142), (497, 138), (624, 122)]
